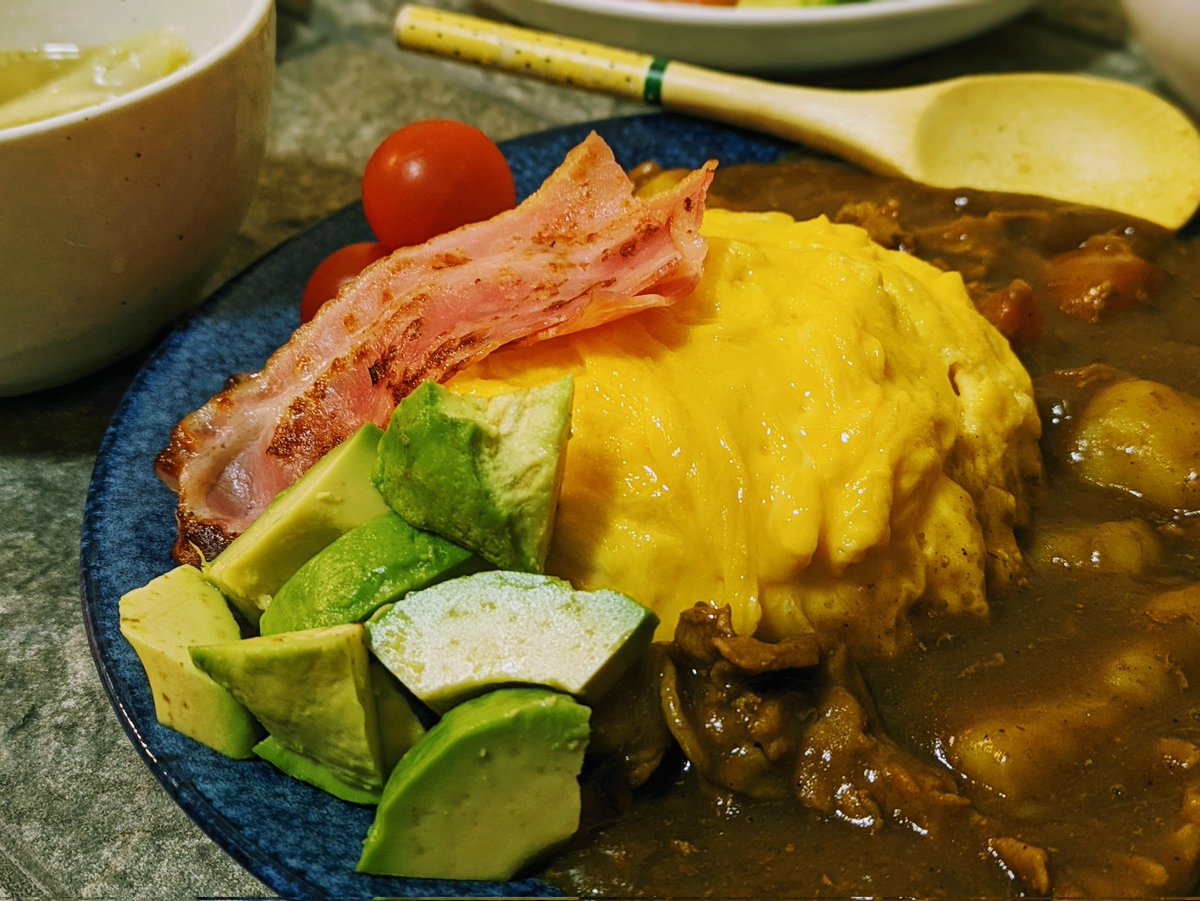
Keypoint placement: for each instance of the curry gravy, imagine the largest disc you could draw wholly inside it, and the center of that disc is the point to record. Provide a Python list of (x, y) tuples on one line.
[(1052, 749)]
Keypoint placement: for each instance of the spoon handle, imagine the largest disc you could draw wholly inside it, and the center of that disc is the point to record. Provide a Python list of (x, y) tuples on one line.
[(637, 76), (853, 125)]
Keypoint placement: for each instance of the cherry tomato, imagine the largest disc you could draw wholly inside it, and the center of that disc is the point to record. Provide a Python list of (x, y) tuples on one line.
[(334, 271), (431, 177)]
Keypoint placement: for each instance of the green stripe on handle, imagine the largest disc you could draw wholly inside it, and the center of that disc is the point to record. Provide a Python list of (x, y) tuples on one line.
[(652, 90)]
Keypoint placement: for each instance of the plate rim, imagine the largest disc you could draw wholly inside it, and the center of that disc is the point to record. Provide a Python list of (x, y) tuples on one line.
[(874, 11), (768, 42)]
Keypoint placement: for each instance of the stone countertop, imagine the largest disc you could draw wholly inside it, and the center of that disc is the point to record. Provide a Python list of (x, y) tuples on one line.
[(81, 816)]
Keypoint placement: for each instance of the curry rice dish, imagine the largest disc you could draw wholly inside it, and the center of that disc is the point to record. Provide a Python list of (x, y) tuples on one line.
[(989, 686)]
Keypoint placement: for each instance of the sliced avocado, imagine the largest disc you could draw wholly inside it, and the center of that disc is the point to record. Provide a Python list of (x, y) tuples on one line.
[(308, 770), (367, 567), (490, 788), (334, 496), (399, 730), (160, 620), (399, 725), (482, 472), (463, 637), (312, 691)]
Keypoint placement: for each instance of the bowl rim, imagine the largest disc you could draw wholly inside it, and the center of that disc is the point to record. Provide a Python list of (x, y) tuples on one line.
[(255, 12), (683, 13)]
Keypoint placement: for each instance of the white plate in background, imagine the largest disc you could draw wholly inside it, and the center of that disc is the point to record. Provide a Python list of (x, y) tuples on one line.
[(768, 40)]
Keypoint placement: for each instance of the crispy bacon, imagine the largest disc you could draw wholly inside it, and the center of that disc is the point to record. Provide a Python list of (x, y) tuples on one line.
[(580, 251)]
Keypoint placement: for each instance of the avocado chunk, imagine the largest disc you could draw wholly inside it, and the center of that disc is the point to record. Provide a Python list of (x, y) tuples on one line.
[(466, 636), (399, 729), (369, 566), (312, 691), (334, 496), (399, 726), (490, 788), (161, 620), (308, 770), (482, 472)]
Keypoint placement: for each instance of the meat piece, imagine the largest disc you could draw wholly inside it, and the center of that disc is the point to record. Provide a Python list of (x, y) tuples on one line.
[(737, 726), (706, 634), (580, 251), (1103, 274), (1015, 311), (968, 244), (738, 735), (850, 769), (881, 221)]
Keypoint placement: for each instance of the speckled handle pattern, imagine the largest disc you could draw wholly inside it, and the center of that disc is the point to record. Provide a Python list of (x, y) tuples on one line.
[(565, 60)]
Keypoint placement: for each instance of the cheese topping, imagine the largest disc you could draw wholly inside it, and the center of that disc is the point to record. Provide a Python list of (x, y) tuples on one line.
[(822, 435)]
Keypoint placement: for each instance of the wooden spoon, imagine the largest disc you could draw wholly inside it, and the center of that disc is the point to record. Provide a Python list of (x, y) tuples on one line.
[(1075, 138)]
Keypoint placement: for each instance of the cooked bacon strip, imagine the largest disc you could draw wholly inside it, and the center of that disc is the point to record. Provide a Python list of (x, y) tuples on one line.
[(580, 251)]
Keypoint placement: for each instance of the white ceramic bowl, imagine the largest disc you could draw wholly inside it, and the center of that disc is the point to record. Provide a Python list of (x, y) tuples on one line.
[(113, 217), (768, 40), (1169, 33)]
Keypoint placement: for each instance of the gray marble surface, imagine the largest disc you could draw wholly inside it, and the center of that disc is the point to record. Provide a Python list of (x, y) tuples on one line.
[(80, 815)]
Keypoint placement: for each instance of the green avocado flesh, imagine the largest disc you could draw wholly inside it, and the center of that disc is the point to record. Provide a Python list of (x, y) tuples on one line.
[(399, 730), (482, 472), (308, 770), (334, 496), (312, 691), (463, 637), (369, 566), (490, 788), (161, 620), (399, 725)]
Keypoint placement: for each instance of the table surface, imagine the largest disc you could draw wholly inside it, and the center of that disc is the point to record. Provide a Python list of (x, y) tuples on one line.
[(82, 816)]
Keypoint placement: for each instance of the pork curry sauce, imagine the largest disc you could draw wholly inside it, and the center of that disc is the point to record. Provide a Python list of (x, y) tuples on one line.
[(1049, 748)]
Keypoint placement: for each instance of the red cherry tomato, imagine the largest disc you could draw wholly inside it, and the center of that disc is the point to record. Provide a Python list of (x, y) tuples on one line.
[(334, 271), (431, 177)]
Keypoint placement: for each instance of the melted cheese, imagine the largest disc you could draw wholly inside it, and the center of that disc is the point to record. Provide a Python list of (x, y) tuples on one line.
[(823, 434)]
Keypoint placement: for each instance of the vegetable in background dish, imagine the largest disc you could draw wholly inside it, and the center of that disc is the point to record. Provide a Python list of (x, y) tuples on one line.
[(61, 78), (304, 768)]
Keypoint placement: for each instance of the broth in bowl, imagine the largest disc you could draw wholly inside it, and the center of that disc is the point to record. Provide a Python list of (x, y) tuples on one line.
[(60, 78)]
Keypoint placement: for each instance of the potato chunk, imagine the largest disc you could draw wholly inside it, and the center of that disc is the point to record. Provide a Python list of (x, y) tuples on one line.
[(1128, 546), (1142, 437)]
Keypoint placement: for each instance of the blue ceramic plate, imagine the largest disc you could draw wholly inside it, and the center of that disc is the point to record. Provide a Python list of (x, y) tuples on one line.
[(298, 840)]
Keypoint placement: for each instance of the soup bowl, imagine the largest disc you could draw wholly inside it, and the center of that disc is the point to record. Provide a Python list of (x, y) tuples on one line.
[(114, 216)]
